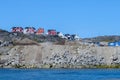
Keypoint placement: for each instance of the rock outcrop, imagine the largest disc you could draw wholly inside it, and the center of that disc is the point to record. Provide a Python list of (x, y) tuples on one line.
[(50, 55)]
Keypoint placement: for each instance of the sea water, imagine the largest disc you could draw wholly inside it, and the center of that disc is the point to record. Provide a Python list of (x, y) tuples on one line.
[(59, 74)]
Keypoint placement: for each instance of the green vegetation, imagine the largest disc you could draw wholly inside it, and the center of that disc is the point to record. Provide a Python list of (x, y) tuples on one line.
[(68, 66), (104, 38), (18, 66), (102, 66), (108, 66)]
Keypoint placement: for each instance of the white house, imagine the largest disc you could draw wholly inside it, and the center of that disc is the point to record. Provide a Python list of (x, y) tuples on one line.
[(60, 34)]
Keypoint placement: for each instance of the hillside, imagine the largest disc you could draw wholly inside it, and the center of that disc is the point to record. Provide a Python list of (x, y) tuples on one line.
[(110, 38), (9, 37), (44, 51)]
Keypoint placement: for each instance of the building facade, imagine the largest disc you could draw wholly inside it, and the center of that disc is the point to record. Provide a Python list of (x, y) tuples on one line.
[(52, 32), (29, 30), (40, 31), (17, 29)]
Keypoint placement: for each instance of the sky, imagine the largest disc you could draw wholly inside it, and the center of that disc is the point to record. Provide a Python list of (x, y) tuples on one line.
[(86, 18)]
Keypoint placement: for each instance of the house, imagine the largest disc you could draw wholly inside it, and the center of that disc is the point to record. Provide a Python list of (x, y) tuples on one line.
[(40, 31), (52, 32), (103, 43), (114, 44), (29, 30), (67, 36), (117, 43), (111, 44), (60, 34), (74, 37), (71, 37), (17, 29)]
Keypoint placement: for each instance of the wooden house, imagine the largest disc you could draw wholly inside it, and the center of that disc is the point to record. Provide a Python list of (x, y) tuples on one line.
[(52, 32), (60, 34), (40, 31), (17, 29), (29, 30)]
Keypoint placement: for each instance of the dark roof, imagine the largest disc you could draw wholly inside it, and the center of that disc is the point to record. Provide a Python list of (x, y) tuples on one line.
[(51, 30)]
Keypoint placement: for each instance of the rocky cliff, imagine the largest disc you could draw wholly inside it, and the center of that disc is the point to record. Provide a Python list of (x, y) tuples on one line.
[(51, 55)]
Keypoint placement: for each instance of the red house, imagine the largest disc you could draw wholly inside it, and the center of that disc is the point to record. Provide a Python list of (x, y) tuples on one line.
[(52, 32), (40, 31), (17, 29)]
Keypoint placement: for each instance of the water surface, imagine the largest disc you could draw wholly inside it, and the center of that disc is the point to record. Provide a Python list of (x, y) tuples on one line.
[(59, 74)]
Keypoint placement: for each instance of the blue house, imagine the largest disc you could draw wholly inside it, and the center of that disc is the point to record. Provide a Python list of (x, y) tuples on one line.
[(117, 43), (114, 44)]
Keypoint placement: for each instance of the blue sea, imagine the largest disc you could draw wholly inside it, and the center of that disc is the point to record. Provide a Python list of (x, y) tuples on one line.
[(59, 74)]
